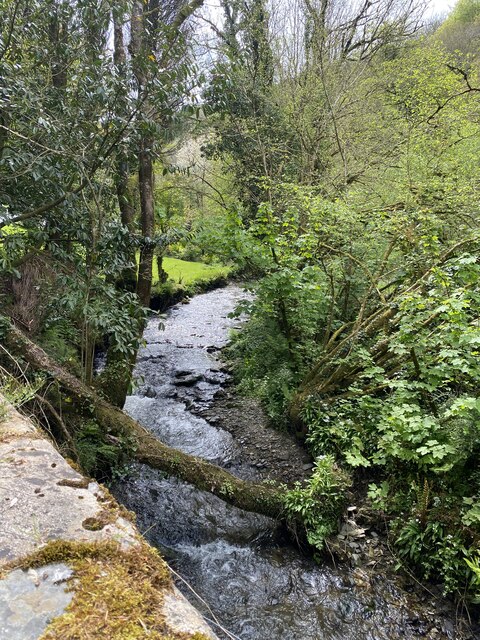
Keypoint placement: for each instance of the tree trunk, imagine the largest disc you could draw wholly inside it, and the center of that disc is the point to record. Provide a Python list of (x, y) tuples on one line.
[(141, 45), (144, 44), (245, 495), (58, 35), (145, 185), (128, 279)]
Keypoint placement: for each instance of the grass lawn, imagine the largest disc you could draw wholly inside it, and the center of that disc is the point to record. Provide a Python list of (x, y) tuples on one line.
[(184, 272)]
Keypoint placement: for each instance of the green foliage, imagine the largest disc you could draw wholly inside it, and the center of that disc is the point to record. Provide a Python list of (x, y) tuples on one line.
[(465, 11), (345, 180), (434, 540), (379, 494), (262, 366), (82, 311), (71, 125), (279, 342), (428, 412), (319, 503), (250, 131), (60, 341), (101, 455), (474, 565), (19, 390), (298, 300), (225, 237), (422, 421), (396, 399), (435, 552)]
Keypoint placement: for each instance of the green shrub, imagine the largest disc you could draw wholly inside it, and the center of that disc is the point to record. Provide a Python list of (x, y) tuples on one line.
[(60, 340), (417, 430), (101, 455), (278, 343), (319, 503)]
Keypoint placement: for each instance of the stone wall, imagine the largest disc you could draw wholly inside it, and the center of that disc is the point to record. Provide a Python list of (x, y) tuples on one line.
[(47, 508)]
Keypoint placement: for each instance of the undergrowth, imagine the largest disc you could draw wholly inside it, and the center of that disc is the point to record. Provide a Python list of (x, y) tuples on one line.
[(408, 422), (102, 455)]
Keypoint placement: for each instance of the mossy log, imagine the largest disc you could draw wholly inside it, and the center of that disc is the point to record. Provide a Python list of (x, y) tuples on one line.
[(249, 496)]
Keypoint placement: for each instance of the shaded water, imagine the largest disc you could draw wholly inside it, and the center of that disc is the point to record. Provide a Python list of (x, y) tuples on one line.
[(257, 587)]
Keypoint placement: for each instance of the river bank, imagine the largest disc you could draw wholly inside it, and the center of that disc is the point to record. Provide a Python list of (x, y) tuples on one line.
[(362, 542), (246, 576)]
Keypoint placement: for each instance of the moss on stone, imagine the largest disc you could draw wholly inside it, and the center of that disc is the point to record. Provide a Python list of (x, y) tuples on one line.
[(75, 466), (98, 522), (110, 504), (118, 593), (81, 483)]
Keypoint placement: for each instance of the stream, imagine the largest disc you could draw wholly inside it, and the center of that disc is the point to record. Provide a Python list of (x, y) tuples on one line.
[(245, 576)]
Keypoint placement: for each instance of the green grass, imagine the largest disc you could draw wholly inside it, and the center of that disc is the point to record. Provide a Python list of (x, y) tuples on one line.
[(184, 272)]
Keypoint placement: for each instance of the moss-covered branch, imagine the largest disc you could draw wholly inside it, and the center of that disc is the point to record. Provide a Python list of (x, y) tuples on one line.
[(148, 450)]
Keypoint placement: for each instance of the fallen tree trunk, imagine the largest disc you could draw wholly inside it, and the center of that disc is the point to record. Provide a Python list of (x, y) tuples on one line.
[(245, 495)]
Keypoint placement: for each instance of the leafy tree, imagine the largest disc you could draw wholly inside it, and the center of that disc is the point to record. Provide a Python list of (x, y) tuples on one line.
[(74, 121), (363, 323), (461, 30)]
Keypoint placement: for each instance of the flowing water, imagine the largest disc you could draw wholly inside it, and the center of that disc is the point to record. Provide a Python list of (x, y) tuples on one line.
[(255, 585)]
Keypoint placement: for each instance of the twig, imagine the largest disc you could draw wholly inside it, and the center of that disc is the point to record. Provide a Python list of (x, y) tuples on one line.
[(59, 420), (215, 619)]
